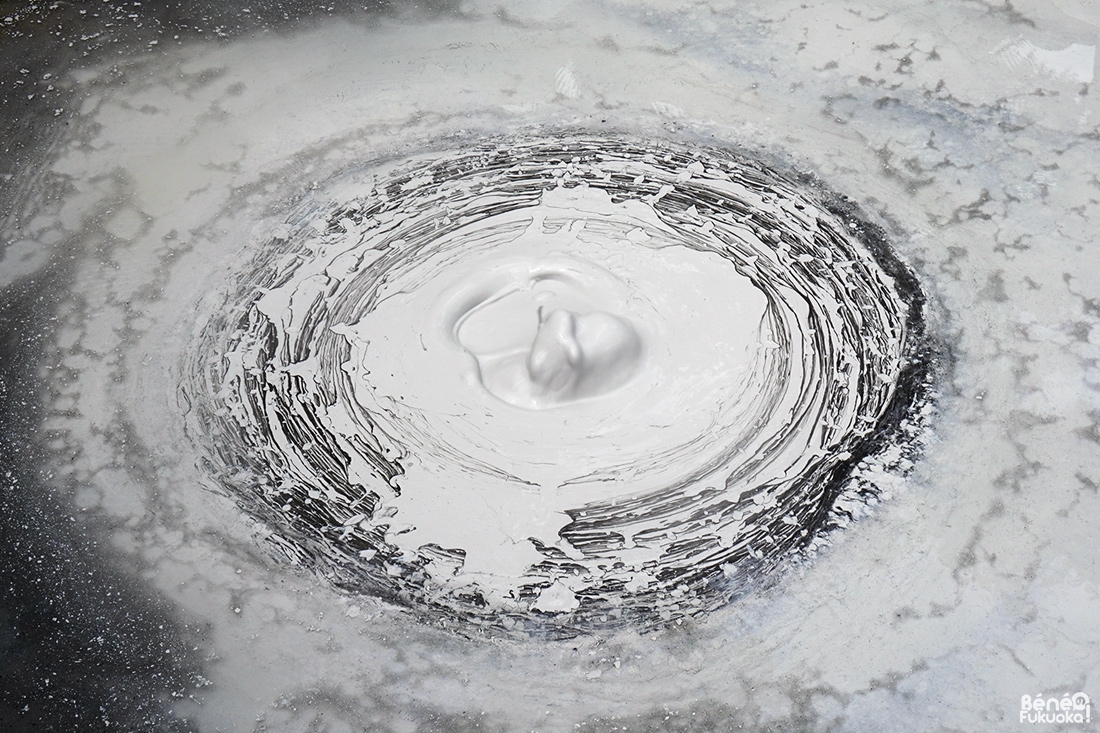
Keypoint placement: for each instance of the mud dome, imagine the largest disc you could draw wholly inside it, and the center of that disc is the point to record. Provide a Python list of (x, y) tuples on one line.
[(370, 388)]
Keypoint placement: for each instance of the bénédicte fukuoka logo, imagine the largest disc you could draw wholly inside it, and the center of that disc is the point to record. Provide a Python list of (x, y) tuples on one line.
[(1074, 708)]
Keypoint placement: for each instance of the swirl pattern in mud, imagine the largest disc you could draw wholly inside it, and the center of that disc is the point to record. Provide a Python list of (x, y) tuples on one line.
[(557, 385)]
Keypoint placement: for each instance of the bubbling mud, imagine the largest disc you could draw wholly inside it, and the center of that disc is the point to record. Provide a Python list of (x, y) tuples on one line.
[(557, 385)]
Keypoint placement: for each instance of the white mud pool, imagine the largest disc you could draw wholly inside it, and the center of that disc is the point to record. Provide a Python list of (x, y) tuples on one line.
[(549, 366)]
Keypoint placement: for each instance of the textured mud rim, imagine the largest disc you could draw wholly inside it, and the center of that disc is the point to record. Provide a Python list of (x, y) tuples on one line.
[(316, 518)]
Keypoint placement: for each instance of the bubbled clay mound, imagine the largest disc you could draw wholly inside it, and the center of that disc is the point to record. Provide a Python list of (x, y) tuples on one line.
[(558, 385)]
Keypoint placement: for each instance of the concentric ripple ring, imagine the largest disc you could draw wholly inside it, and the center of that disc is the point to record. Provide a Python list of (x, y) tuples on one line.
[(560, 384)]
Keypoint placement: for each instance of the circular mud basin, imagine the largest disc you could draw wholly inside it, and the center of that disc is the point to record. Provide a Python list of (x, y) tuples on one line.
[(558, 385)]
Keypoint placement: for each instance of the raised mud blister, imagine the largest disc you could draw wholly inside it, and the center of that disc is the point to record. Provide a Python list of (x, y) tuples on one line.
[(559, 385)]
